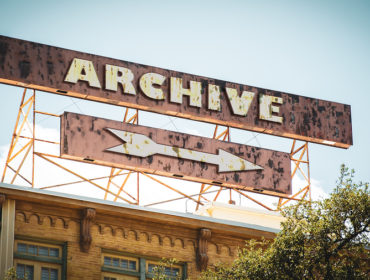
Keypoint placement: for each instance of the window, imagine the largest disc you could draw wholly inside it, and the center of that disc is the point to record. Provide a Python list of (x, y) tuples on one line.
[(32, 249), (37, 270), (24, 271), (117, 276), (39, 260), (121, 263), (122, 266), (119, 267), (172, 272)]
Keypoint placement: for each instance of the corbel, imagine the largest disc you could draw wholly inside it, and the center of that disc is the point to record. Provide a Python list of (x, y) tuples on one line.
[(202, 257), (88, 216)]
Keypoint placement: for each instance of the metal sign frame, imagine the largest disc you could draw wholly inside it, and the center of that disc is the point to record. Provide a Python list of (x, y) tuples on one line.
[(20, 153)]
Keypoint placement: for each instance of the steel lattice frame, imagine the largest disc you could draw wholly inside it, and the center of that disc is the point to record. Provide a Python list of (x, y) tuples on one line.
[(27, 109)]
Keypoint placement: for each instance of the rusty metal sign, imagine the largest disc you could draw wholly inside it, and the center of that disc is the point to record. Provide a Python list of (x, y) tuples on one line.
[(123, 83), (173, 154)]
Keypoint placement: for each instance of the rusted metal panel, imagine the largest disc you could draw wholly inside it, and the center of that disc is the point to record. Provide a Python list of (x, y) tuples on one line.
[(173, 154), (174, 93)]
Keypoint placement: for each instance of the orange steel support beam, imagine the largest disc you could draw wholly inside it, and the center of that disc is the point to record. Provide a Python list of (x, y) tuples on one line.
[(178, 198), (226, 135), (169, 187), (44, 156), (109, 181), (39, 140), (80, 181), (21, 150), (254, 200), (33, 136), (134, 119), (20, 175), (17, 135), (21, 164), (297, 155)]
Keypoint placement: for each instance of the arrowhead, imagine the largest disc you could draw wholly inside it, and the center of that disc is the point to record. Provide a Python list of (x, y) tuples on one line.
[(135, 144), (229, 162)]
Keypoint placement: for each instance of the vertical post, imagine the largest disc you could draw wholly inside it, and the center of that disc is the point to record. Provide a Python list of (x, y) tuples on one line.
[(137, 188), (7, 234), (308, 174), (142, 269), (33, 138), (137, 174), (14, 133)]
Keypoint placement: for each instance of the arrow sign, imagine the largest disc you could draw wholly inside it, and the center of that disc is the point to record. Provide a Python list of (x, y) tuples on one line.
[(142, 146), (157, 151)]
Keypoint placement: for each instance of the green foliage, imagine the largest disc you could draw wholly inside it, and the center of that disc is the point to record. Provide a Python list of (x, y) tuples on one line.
[(159, 270), (11, 274), (327, 239)]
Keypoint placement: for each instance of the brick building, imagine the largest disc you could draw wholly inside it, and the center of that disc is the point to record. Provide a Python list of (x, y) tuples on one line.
[(50, 235)]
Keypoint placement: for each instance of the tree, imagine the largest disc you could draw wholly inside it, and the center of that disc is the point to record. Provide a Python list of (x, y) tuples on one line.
[(159, 271), (11, 274), (326, 239)]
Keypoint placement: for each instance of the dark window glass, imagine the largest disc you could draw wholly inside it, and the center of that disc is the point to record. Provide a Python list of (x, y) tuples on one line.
[(54, 274), (21, 270), (24, 271), (43, 251), (132, 265), (29, 272), (45, 273), (124, 264), (49, 273), (168, 271), (107, 260), (115, 262), (22, 248), (175, 271), (150, 267), (53, 252), (32, 250)]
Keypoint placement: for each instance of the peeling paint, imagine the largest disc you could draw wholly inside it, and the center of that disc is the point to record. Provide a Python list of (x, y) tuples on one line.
[(83, 75), (166, 153)]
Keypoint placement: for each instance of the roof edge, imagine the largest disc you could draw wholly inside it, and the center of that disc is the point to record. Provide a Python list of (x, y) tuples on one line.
[(11, 189)]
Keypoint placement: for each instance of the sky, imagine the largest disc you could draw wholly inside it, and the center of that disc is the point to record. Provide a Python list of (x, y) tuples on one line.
[(319, 49)]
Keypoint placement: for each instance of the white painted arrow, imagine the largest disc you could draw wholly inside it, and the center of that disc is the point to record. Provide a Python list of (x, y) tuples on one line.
[(142, 146)]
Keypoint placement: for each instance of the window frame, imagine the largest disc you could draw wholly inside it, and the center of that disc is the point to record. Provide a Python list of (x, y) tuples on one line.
[(48, 261), (118, 276), (157, 262), (37, 265), (143, 262), (122, 271)]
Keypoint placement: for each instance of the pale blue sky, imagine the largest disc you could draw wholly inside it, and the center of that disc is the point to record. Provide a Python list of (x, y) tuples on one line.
[(318, 49)]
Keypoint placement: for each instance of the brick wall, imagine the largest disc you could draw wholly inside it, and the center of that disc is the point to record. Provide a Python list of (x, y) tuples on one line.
[(119, 233)]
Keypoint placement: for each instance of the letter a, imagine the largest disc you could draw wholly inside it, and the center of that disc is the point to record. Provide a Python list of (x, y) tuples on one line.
[(82, 70)]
